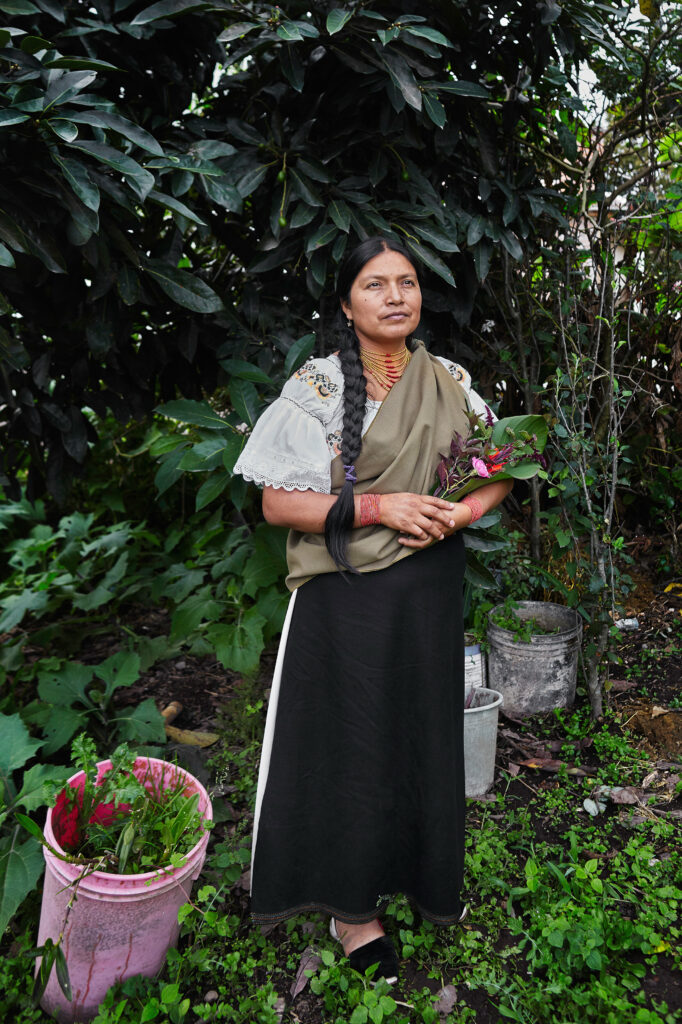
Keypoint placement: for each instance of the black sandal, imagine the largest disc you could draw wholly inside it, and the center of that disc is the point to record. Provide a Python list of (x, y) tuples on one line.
[(379, 951)]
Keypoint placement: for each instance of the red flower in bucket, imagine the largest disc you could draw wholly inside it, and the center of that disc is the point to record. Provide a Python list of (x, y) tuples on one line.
[(67, 814)]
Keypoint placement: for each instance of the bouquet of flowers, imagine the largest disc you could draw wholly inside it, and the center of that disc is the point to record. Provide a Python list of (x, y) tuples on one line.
[(505, 449)]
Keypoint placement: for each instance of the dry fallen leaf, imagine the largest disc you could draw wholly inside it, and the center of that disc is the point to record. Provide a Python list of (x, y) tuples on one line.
[(191, 737), (657, 710), (513, 768), (544, 764), (447, 997), (310, 961)]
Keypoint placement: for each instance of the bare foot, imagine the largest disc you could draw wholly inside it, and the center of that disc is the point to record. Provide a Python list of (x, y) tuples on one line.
[(355, 935)]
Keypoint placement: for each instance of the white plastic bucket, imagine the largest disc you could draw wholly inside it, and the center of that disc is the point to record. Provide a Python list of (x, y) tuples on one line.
[(480, 740)]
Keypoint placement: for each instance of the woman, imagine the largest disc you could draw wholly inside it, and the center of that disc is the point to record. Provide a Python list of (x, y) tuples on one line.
[(361, 789)]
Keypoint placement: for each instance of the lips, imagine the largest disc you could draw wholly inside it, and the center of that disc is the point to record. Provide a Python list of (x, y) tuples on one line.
[(395, 316)]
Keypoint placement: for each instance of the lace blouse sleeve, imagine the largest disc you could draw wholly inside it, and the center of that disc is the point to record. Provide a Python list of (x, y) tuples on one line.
[(463, 377), (288, 446)]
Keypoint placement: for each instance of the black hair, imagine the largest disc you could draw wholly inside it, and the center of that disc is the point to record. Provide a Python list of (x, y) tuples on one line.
[(339, 521)]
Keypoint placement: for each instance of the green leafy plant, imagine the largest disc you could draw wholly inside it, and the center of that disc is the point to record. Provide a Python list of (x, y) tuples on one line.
[(126, 821), (21, 861), (523, 627)]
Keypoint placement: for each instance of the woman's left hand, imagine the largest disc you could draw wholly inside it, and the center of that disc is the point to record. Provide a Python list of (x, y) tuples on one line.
[(460, 514)]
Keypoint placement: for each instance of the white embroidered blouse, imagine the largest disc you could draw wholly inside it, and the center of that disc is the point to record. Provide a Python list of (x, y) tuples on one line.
[(293, 443)]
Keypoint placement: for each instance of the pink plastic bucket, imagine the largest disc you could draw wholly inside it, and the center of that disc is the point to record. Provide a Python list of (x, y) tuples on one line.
[(119, 925)]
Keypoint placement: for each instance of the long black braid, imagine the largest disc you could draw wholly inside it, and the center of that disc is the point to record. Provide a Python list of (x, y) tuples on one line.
[(339, 521)]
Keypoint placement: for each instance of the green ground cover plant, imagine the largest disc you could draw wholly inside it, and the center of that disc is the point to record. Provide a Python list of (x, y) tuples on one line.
[(570, 917)]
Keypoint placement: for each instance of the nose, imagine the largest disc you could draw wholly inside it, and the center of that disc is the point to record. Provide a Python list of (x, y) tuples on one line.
[(394, 293)]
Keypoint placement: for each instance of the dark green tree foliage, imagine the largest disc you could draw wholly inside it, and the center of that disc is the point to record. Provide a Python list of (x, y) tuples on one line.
[(147, 191), (98, 156)]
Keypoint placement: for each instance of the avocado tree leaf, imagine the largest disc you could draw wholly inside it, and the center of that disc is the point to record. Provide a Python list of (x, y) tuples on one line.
[(433, 262), (120, 125), (140, 180), (166, 9), (402, 77), (184, 288), (336, 19), (199, 414), (78, 179), (298, 353)]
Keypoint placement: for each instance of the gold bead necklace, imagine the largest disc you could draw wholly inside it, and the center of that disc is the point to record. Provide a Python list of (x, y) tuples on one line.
[(387, 369)]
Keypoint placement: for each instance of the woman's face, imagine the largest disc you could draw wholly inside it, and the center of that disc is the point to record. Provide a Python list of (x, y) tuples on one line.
[(385, 301)]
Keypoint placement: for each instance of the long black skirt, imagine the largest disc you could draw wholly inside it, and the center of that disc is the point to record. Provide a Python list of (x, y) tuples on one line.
[(364, 796)]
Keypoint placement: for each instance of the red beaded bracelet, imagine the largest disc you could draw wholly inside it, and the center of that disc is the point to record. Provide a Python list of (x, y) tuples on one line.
[(475, 506), (370, 513)]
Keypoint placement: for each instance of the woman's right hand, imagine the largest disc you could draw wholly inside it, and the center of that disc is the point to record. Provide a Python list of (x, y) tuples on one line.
[(421, 517)]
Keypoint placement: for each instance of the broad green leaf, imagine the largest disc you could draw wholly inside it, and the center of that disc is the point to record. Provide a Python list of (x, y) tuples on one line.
[(340, 214), (222, 194), (336, 19), (140, 180), (8, 117), (198, 607), (247, 371), (168, 472), (171, 203), (481, 541), (211, 489), (244, 398), (63, 85), (432, 34), (321, 237), (121, 669), (236, 31), (511, 244), (462, 88), (6, 257), (435, 109), (166, 9), (33, 44), (184, 288), (476, 572), (59, 727), (36, 788), (482, 253), (267, 564), (81, 64), (199, 414), (533, 424), (79, 180), (18, 7), (121, 125), (205, 456), (16, 745), (251, 180), (432, 261), (298, 353), (292, 67), (289, 31), (141, 724), (402, 77), (239, 645), (66, 685), (17, 605), (65, 130), (21, 865), (475, 230), (305, 189), (437, 238), (303, 215)]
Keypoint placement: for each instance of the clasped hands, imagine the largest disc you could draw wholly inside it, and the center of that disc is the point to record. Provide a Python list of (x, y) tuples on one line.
[(422, 519)]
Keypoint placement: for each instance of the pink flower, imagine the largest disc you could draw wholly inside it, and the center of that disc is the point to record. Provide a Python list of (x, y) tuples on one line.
[(480, 467)]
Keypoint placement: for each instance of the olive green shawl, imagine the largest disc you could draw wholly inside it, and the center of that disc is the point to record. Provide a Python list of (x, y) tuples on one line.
[(400, 452)]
